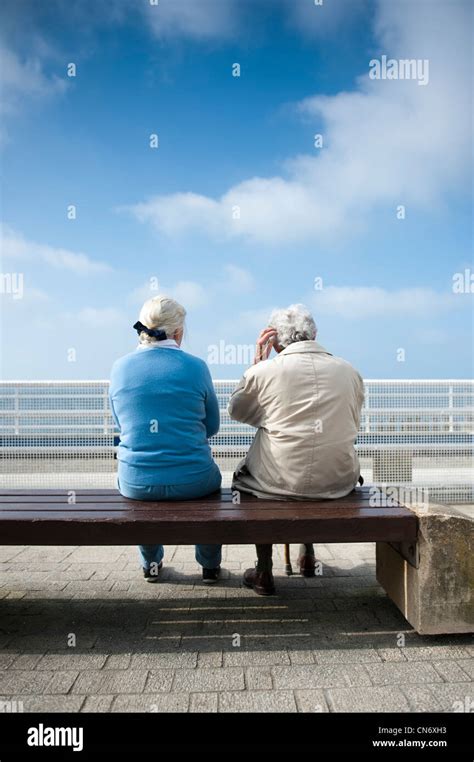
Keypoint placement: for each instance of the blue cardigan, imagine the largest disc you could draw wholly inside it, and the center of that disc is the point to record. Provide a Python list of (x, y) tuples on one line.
[(165, 406)]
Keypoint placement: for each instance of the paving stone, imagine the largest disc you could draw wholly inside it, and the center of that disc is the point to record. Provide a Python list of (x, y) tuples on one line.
[(6, 660), (434, 653), (257, 701), (319, 676), (26, 661), (40, 554), (203, 702), (421, 698), (7, 553), (24, 682), (312, 701), (198, 680), (155, 703), (450, 671), (367, 700), (97, 704), (210, 659), (240, 658), (118, 661), (40, 703), (346, 656), (302, 656), (69, 660), (399, 673), (88, 586), (454, 697), (109, 681), (159, 680), (61, 682), (468, 666), (105, 574), (164, 660), (84, 554), (391, 654), (42, 643), (258, 679)]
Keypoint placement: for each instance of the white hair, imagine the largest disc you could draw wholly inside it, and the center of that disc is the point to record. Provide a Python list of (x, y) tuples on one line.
[(293, 323), (161, 312)]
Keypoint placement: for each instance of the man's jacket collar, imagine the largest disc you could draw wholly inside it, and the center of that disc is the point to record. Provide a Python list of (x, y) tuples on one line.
[(304, 346)]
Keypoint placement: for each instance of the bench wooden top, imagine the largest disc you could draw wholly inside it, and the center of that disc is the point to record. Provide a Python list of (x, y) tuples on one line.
[(104, 517)]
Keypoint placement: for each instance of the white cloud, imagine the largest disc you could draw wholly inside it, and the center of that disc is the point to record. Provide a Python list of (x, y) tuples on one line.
[(202, 20), (106, 316), (23, 79), (322, 20), (361, 302), (254, 320), (193, 294), (14, 245), (369, 301), (388, 142), (165, 213), (239, 279), (188, 293), (32, 294)]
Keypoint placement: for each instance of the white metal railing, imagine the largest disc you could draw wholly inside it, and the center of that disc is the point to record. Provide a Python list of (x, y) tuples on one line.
[(417, 432)]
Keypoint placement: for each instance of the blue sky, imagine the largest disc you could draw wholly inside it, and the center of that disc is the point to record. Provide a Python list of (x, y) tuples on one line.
[(226, 142)]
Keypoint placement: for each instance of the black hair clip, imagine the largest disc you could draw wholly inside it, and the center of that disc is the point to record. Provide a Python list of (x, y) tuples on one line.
[(158, 335)]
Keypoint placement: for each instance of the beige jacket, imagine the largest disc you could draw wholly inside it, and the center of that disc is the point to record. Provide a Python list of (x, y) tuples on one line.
[(306, 405)]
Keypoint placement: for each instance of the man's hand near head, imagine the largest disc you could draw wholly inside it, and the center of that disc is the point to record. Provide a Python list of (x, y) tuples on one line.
[(265, 342)]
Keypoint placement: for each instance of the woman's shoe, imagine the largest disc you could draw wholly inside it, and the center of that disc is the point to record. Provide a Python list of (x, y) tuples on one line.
[(211, 576), (152, 574)]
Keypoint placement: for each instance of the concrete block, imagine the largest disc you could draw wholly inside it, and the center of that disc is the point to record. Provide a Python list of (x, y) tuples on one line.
[(438, 596)]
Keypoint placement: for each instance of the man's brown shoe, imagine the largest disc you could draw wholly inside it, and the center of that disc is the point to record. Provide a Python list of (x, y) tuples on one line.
[(307, 565), (261, 582)]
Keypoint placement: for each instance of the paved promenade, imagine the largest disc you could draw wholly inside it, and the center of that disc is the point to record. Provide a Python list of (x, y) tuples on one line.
[(81, 631)]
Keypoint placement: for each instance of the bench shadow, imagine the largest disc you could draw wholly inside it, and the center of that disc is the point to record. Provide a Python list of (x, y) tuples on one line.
[(346, 609)]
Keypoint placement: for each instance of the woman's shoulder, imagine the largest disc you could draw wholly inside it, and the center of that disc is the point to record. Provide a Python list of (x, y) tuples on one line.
[(123, 362), (198, 363)]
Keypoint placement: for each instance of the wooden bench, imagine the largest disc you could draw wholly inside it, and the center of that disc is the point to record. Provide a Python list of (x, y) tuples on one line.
[(424, 558), (104, 517)]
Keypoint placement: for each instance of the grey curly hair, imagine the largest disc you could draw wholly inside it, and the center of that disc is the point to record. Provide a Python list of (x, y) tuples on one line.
[(293, 323)]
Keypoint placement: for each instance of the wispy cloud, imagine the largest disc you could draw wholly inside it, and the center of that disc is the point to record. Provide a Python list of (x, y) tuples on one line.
[(384, 144), (106, 316), (203, 20), (23, 79), (14, 245), (329, 18), (362, 302), (238, 279), (191, 294)]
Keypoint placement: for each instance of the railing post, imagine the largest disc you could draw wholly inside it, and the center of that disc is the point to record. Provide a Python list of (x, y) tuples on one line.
[(366, 409), (451, 407), (17, 411), (105, 410)]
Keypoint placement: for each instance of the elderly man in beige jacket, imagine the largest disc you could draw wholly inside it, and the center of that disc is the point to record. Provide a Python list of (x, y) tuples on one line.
[(305, 404)]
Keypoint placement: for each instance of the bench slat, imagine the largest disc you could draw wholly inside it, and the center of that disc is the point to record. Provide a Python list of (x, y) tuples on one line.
[(104, 517), (87, 529)]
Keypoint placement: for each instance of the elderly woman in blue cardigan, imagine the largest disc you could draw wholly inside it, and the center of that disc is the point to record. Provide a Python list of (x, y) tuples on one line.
[(165, 406)]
